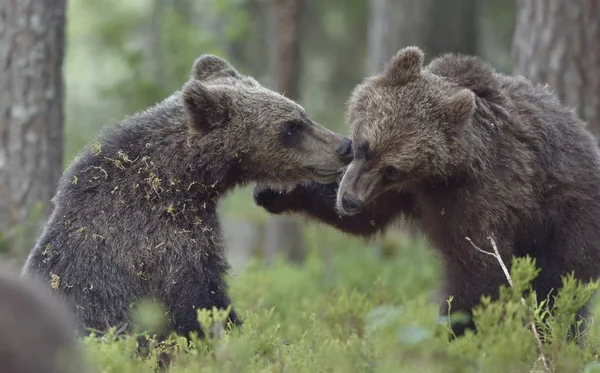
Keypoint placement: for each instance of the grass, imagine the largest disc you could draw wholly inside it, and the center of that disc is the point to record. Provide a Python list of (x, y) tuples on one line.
[(350, 309)]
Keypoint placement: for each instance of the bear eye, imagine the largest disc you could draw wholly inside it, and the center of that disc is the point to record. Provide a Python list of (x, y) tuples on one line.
[(291, 132), (291, 128), (392, 173)]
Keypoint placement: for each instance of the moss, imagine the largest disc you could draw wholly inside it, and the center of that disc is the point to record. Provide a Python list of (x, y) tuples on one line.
[(171, 210), (96, 148), (124, 157), (116, 162), (154, 186), (102, 173), (98, 236), (54, 281)]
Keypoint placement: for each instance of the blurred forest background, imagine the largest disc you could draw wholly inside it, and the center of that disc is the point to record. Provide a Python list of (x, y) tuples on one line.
[(119, 57), (312, 298)]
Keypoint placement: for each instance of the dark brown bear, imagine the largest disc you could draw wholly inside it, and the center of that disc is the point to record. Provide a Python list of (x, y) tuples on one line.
[(466, 152), (135, 216), (37, 332)]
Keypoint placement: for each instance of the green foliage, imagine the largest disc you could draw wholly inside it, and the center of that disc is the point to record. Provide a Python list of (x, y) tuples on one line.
[(350, 311), (3, 245), (157, 45), (17, 240), (126, 56)]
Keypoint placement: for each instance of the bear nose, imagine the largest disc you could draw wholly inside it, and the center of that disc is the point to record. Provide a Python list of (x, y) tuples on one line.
[(351, 204), (345, 150)]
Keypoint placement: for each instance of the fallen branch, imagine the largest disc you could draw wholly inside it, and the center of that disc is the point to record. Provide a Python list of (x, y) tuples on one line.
[(496, 254)]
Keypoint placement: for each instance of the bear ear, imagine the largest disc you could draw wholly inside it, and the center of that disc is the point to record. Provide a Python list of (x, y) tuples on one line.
[(405, 66), (460, 106), (207, 108), (209, 66)]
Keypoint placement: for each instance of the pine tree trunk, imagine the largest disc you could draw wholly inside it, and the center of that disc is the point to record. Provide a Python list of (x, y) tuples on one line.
[(394, 24), (283, 234), (437, 26), (453, 27), (379, 34), (557, 43), (32, 34)]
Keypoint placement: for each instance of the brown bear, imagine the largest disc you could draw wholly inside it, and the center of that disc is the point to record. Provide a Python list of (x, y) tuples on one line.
[(37, 332), (464, 151), (135, 215)]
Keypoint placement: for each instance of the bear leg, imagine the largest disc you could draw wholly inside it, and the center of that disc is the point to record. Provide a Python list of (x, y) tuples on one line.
[(192, 294)]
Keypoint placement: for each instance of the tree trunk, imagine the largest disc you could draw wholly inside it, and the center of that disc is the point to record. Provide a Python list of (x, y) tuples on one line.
[(283, 234), (394, 24), (379, 34), (288, 14), (557, 43), (453, 27), (154, 40), (32, 36), (437, 26)]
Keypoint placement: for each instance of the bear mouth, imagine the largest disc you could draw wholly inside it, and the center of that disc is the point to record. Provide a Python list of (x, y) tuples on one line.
[(327, 173)]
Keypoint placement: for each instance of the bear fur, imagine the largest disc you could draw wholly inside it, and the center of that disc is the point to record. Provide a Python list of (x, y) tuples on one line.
[(464, 151), (37, 331), (135, 216)]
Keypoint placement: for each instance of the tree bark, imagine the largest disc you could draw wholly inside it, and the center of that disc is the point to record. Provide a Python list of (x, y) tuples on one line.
[(558, 43), (288, 14), (453, 27), (378, 49), (283, 234), (154, 40), (32, 36), (438, 26), (394, 24)]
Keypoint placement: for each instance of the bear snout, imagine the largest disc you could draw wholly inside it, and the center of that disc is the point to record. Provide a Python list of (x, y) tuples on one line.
[(345, 151)]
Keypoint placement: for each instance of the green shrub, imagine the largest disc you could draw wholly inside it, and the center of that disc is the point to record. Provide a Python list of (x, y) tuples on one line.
[(348, 310)]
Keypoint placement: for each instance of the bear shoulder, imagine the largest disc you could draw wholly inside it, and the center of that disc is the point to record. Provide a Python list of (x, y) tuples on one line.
[(469, 72), (478, 76)]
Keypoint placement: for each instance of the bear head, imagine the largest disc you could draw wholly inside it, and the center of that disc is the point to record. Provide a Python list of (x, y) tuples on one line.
[(274, 138), (406, 126)]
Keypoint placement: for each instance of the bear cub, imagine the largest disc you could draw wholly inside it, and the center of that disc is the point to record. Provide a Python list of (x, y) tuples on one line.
[(135, 215), (465, 151)]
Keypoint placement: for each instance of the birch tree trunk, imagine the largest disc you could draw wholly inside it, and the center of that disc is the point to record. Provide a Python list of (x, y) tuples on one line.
[(557, 43), (32, 34)]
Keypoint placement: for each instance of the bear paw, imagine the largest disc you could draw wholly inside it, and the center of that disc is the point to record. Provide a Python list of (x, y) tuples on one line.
[(273, 200)]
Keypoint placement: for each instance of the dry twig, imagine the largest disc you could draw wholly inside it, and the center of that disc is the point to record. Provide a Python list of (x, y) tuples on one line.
[(496, 254)]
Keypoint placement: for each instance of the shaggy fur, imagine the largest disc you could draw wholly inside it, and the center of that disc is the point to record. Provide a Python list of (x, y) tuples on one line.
[(37, 333), (466, 152), (136, 215)]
